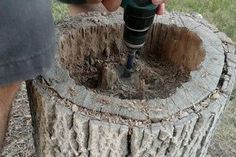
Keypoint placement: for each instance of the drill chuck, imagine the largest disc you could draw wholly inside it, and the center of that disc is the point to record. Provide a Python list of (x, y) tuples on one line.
[(138, 17)]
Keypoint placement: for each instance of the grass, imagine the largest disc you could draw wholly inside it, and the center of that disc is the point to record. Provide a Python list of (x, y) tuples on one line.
[(220, 12), (59, 10)]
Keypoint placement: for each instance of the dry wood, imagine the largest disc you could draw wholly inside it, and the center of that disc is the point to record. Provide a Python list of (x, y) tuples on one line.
[(180, 125)]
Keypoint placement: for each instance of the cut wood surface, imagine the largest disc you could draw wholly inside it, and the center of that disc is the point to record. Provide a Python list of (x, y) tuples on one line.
[(72, 120)]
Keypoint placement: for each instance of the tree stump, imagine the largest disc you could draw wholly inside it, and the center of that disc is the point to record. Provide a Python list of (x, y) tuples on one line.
[(71, 118)]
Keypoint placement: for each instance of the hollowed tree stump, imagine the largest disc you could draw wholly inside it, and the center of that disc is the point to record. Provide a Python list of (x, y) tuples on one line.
[(73, 117)]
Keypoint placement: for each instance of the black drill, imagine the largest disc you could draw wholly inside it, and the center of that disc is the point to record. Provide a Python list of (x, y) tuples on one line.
[(138, 17)]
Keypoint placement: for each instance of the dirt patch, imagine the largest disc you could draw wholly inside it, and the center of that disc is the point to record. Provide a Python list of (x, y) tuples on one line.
[(153, 76)]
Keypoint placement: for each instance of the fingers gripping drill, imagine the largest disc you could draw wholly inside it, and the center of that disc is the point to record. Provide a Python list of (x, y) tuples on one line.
[(138, 17)]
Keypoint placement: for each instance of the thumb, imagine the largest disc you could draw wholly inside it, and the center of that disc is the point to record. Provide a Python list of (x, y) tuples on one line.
[(111, 5), (157, 2), (161, 9)]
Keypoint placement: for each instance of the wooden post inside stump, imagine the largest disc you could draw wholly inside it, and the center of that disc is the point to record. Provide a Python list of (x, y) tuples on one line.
[(186, 72)]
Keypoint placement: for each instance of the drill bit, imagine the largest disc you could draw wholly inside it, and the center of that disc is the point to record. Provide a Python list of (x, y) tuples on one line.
[(138, 17), (129, 69)]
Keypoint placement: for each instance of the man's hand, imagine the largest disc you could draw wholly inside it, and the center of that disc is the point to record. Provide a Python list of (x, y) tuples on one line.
[(110, 5), (95, 5), (161, 4)]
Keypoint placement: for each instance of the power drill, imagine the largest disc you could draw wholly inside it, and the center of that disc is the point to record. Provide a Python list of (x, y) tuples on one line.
[(138, 17)]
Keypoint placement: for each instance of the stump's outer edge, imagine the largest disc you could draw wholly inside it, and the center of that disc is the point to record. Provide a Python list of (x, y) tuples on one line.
[(118, 107), (192, 129)]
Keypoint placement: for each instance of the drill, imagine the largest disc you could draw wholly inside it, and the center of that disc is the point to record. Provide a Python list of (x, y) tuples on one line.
[(138, 17)]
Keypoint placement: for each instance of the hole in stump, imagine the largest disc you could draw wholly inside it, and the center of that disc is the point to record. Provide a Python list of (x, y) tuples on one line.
[(95, 60)]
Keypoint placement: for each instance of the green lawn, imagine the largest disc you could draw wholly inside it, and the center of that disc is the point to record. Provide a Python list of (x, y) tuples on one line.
[(220, 12), (59, 10)]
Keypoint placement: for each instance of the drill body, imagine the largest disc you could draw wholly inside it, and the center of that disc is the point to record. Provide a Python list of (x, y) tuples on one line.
[(138, 17)]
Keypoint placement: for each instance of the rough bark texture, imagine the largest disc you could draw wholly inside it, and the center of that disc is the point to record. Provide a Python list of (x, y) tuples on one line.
[(70, 120)]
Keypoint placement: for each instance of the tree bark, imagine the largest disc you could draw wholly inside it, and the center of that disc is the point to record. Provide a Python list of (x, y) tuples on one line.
[(71, 120)]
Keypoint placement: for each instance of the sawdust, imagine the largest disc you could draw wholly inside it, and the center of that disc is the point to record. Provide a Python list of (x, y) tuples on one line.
[(153, 77)]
